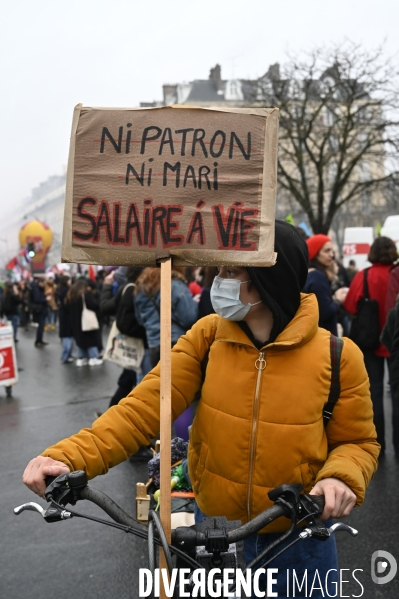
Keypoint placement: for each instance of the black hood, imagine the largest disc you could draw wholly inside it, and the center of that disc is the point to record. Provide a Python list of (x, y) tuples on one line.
[(279, 286)]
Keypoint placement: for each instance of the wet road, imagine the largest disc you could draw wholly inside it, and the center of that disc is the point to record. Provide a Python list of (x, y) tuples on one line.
[(83, 559)]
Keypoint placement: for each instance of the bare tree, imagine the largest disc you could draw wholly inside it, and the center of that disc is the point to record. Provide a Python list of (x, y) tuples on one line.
[(339, 129)]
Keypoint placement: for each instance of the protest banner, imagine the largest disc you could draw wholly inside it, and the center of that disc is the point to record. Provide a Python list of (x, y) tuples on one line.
[(194, 184)]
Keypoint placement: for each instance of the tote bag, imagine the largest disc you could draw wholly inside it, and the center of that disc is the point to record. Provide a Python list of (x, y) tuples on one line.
[(89, 318), (127, 352)]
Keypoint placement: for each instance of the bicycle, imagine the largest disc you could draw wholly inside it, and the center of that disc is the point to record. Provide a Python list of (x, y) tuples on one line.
[(216, 543)]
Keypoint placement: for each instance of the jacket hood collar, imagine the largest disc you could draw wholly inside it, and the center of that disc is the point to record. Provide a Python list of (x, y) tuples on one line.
[(299, 330)]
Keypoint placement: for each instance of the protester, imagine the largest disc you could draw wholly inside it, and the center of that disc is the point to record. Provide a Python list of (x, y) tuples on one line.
[(205, 305), (10, 302), (259, 421), (390, 338), (382, 255), (184, 314), (351, 270), (194, 280), (394, 370), (52, 311), (393, 288), (39, 308), (92, 287), (121, 305), (321, 258), (24, 309), (65, 323), (147, 306), (86, 341)]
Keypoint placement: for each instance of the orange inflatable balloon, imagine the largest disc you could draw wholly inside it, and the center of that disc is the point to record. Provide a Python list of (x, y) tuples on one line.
[(41, 235)]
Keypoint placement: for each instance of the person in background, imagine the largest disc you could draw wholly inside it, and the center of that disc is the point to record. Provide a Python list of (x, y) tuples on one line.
[(39, 308), (339, 280), (122, 305), (24, 310), (64, 319), (321, 259), (390, 338), (351, 270), (382, 255), (52, 311), (92, 287), (184, 314), (86, 341), (194, 279), (205, 305), (393, 288), (10, 306)]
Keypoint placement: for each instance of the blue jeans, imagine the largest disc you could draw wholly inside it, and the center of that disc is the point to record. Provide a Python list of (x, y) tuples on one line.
[(15, 323), (90, 352), (67, 343), (52, 316), (146, 366), (301, 561), (40, 319)]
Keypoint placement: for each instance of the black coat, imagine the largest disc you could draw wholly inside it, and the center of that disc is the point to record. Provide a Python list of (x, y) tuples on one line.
[(84, 339), (9, 304), (38, 303), (318, 284), (122, 306), (64, 314)]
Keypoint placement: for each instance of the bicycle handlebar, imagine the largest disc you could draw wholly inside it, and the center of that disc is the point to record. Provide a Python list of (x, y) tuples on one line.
[(68, 488)]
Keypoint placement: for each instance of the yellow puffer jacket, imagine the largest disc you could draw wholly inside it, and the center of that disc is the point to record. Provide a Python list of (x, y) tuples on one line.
[(259, 421)]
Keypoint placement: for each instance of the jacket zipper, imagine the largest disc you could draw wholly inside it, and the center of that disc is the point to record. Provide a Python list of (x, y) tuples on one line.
[(260, 365)]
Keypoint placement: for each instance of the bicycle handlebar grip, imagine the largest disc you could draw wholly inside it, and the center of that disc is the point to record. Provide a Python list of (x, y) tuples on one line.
[(48, 480), (320, 500)]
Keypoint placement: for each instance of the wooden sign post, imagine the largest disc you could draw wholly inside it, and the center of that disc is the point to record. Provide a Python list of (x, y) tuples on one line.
[(165, 416), (190, 185)]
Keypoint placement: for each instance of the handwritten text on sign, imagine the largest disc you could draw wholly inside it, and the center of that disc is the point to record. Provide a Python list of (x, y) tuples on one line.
[(170, 178)]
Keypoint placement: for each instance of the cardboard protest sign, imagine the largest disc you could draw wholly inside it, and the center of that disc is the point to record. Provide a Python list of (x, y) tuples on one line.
[(195, 184)]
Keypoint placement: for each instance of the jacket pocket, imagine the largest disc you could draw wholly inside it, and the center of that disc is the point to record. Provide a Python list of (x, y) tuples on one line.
[(200, 467)]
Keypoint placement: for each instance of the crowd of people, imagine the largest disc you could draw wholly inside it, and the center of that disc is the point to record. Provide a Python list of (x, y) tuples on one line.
[(340, 293), (132, 296)]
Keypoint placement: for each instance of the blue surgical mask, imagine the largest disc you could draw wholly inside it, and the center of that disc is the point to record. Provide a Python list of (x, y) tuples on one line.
[(225, 298)]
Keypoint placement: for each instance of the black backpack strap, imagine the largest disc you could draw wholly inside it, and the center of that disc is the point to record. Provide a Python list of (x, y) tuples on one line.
[(365, 284), (336, 345)]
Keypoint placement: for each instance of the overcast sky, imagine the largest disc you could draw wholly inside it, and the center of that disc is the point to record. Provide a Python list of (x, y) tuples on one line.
[(117, 53)]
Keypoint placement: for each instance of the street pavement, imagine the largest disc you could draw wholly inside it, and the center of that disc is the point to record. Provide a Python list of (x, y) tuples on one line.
[(78, 558)]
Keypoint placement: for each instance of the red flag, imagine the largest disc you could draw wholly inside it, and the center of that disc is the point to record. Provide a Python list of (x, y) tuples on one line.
[(92, 273)]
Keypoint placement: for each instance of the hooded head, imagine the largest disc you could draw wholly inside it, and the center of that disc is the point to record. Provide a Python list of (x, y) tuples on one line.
[(279, 286)]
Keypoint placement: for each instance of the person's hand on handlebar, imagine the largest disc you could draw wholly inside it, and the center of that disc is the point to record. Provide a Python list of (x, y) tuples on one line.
[(37, 470), (339, 498)]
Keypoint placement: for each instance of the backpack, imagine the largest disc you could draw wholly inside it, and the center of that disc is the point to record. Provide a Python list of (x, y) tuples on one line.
[(365, 328), (125, 316)]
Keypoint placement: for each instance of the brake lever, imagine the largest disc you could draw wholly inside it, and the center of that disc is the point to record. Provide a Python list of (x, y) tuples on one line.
[(29, 507), (52, 514), (322, 533), (344, 527)]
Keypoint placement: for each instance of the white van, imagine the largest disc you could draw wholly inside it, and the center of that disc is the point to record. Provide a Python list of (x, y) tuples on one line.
[(391, 229), (357, 243)]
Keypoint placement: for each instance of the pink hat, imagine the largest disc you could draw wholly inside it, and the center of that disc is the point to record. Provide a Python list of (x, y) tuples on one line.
[(315, 243)]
